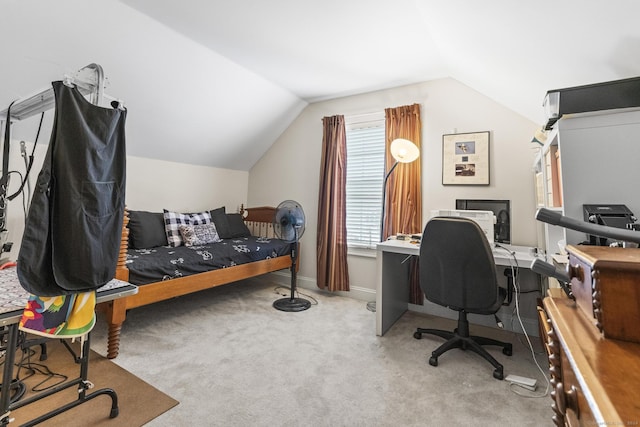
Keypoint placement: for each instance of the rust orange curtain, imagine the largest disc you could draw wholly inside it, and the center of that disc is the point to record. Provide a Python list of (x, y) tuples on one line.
[(403, 204), (333, 273)]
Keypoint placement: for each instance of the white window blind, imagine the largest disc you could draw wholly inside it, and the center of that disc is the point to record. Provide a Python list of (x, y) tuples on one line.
[(365, 174)]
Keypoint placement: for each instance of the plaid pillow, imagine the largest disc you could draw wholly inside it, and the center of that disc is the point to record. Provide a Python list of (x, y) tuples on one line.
[(173, 221), (194, 235)]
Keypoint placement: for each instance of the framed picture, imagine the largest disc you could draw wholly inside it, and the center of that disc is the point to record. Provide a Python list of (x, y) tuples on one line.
[(465, 159)]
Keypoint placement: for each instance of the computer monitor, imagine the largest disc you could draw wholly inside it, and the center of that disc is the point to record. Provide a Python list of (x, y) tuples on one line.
[(500, 208)]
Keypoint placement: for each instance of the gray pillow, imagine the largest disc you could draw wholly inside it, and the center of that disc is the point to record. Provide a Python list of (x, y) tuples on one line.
[(219, 218), (237, 227), (146, 230)]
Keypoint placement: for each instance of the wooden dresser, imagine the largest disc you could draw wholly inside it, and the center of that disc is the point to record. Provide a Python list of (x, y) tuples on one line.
[(606, 285), (595, 380)]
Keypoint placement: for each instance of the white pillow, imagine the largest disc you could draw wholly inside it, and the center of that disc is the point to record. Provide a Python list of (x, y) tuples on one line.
[(194, 235)]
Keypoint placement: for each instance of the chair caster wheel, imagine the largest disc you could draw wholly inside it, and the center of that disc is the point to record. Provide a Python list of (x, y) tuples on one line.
[(417, 335), (508, 350), (433, 361), (497, 374)]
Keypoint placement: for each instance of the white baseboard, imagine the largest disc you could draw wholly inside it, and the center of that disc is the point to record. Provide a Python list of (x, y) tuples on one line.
[(356, 292), (367, 295)]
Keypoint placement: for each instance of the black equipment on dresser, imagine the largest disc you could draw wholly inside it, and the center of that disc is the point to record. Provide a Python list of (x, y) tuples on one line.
[(617, 216)]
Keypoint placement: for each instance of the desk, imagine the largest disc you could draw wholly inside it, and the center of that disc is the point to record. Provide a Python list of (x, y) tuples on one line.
[(12, 302), (392, 288)]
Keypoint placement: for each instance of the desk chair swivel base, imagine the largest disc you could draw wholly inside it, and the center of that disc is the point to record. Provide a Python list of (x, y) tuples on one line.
[(460, 338)]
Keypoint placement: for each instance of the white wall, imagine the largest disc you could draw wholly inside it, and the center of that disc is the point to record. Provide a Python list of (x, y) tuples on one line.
[(290, 169), (156, 184), (152, 185)]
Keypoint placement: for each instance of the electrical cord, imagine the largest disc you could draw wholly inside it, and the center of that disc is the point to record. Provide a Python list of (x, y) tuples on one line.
[(33, 369), (18, 387), (4, 180), (28, 164), (533, 355), (3, 218), (516, 288), (297, 294), (26, 195)]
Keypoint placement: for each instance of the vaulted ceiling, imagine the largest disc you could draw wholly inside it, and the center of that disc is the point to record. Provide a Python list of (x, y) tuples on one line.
[(215, 83)]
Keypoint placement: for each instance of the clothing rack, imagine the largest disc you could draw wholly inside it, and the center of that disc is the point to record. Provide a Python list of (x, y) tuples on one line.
[(89, 80)]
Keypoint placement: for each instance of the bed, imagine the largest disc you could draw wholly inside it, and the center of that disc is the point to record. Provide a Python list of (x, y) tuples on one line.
[(164, 272)]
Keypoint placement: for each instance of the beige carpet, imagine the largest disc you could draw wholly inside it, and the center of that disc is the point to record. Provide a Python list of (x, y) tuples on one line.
[(232, 360), (138, 401)]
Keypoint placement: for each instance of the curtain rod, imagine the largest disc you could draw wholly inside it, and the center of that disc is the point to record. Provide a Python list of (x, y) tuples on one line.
[(88, 80)]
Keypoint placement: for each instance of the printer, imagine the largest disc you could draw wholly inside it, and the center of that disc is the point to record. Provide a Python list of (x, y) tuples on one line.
[(485, 219)]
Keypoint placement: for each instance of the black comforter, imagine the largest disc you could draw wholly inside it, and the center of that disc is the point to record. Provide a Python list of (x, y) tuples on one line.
[(164, 263)]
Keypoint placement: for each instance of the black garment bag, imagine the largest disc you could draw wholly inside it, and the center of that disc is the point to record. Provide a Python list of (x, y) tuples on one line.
[(71, 240)]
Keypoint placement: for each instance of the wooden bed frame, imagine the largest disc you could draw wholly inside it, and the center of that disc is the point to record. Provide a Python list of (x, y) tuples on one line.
[(260, 222)]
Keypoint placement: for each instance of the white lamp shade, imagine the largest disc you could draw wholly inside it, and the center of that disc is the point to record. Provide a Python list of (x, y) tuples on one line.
[(404, 151)]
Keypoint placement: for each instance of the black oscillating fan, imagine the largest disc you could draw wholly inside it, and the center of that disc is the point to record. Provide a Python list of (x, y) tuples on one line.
[(288, 225)]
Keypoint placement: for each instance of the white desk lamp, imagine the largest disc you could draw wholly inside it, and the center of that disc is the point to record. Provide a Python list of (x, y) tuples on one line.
[(404, 151)]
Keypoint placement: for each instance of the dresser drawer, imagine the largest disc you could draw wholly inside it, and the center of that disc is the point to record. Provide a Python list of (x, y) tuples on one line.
[(569, 405), (570, 399), (606, 285), (595, 381), (581, 283)]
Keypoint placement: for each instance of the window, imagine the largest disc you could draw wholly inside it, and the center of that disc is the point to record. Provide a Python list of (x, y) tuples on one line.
[(365, 175)]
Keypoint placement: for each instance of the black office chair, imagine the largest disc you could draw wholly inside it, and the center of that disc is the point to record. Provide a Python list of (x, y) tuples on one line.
[(457, 270)]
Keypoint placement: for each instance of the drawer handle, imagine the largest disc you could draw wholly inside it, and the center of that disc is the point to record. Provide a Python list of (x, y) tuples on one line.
[(575, 271), (567, 399)]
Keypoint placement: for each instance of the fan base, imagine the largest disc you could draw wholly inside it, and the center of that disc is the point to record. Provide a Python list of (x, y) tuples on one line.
[(291, 304)]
